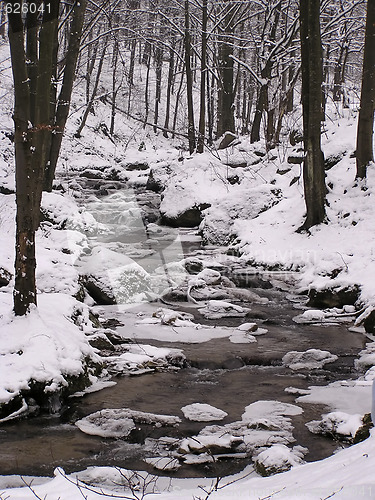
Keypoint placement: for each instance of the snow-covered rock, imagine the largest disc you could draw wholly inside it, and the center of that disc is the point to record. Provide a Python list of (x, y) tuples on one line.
[(115, 423), (366, 358), (163, 463), (115, 276), (216, 309), (210, 276), (252, 328), (310, 359), (338, 425), (242, 338), (210, 442), (143, 358), (279, 458), (244, 203), (202, 412)]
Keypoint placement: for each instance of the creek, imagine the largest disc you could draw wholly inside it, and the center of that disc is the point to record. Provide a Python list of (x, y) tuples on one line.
[(227, 375)]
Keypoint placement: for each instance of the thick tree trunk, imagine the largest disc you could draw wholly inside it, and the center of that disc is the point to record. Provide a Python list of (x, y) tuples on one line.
[(225, 106), (25, 285), (32, 128), (312, 77), (202, 110), (365, 152)]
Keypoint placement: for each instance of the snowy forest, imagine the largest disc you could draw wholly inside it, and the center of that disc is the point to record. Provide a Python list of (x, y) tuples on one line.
[(187, 259)]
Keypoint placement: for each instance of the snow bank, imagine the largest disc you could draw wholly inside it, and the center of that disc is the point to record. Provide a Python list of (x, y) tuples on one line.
[(45, 347)]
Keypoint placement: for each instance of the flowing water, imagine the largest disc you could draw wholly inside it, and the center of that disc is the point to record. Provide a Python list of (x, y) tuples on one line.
[(226, 375)]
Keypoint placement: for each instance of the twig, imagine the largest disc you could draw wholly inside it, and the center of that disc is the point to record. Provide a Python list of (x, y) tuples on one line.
[(272, 494), (333, 494), (31, 489)]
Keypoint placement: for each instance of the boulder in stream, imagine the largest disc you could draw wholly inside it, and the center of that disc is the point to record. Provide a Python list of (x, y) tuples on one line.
[(333, 297), (342, 426), (216, 309), (202, 412), (119, 422), (310, 359), (188, 217), (166, 464), (278, 458)]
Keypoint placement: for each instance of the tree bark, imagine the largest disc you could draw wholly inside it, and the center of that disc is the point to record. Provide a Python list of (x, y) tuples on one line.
[(114, 87), (365, 152), (32, 128), (202, 110), (312, 77), (169, 90), (189, 80), (158, 72), (225, 108)]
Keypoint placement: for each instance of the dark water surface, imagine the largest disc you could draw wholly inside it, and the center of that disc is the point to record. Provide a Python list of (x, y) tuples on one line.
[(226, 375)]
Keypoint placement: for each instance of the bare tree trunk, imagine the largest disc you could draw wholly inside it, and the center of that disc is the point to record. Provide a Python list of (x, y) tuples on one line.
[(312, 77), (158, 71), (178, 97), (147, 83), (132, 62), (32, 127), (169, 90), (91, 58), (189, 80), (93, 93), (339, 73), (291, 73), (261, 106), (146, 53), (225, 111), (2, 20), (365, 152), (114, 89), (210, 109), (202, 111), (63, 103)]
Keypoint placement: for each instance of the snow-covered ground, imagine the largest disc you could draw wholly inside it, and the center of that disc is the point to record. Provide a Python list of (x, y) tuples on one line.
[(257, 210)]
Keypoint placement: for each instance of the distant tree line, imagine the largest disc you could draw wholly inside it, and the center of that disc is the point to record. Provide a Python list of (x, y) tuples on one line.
[(197, 68)]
